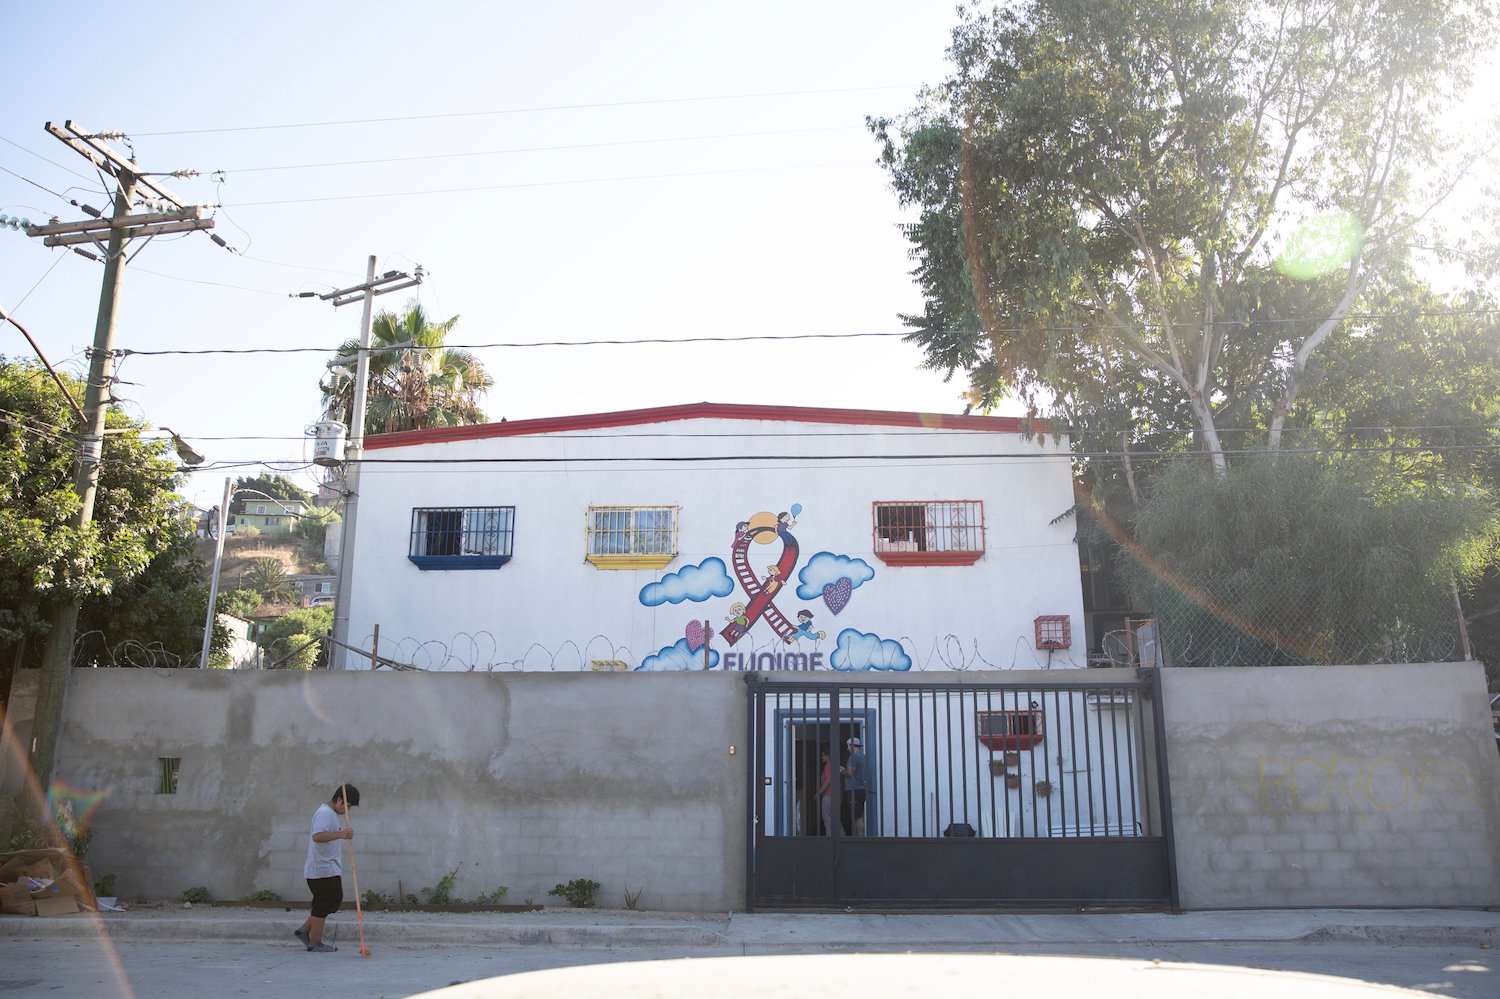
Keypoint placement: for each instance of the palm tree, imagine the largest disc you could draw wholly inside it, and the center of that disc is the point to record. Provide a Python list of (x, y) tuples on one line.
[(418, 385), (268, 578)]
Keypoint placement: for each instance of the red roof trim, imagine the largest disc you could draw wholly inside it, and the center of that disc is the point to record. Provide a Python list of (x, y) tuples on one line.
[(699, 411)]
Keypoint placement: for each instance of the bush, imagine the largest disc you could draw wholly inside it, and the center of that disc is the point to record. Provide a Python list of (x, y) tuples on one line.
[(197, 895), (579, 892), (246, 531), (262, 895), (442, 892), (240, 603), (299, 651)]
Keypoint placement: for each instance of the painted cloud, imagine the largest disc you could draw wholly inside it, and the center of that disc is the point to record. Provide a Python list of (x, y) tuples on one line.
[(698, 582), (677, 658), (857, 650), (825, 568)]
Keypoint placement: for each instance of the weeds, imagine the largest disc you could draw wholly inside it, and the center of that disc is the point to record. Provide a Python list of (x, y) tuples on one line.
[(196, 896), (633, 897), (263, 895), (442, 892), (579, 892), (492, 898)]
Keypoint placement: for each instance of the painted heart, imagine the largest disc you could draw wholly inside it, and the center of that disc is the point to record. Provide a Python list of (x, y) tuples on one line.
[(836, 594), (695, 636)]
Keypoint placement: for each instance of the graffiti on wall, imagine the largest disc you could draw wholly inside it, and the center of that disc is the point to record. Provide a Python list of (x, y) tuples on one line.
[(1313, 785), (764, 558)]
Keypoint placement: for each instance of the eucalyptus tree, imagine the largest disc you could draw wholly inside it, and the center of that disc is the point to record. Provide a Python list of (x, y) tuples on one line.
[(1195, 194)]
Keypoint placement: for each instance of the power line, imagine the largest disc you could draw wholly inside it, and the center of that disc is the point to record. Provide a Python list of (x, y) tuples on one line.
[(522, 110), (556, 343), (216, 284), (44, 159), (538, 149), (33, 183), (545, 183), (1358, 317)]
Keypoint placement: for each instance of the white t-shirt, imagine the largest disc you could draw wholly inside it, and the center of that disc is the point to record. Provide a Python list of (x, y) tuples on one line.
[(324, 860)]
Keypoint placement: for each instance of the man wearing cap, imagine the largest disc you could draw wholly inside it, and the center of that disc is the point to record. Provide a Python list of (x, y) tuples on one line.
[(855, 783)]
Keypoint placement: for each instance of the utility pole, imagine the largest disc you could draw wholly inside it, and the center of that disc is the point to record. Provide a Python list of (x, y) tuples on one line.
[(367, 292), (111, 236)]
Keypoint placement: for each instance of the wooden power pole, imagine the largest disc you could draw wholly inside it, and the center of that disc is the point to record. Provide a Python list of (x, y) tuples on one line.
[(111, 236)]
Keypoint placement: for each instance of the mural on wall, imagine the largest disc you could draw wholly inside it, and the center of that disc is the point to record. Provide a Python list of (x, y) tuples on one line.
[(826, 576)]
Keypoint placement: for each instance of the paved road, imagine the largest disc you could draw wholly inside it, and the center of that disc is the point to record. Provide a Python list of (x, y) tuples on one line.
[(94, 967)]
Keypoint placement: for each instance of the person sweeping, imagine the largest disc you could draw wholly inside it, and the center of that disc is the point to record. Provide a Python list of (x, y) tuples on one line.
[(324, 868)]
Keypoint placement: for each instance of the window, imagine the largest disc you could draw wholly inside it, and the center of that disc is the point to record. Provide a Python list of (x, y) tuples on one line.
[(473, 537), (631, 537), (272, 521), (947, 532), (166, 769), (260, 508), (1053, 631), (1009, 729)]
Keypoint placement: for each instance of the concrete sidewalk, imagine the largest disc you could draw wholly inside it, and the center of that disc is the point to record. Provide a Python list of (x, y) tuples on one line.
[(756, 933)]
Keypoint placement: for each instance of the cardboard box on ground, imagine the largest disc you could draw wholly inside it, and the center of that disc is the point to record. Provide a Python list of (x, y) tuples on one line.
[(44, 883)]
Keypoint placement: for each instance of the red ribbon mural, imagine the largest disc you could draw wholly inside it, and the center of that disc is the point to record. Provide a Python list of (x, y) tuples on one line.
[(763, 529)]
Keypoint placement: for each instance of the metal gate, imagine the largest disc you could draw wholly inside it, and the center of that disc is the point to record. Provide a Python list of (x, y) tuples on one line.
[(975, 793)]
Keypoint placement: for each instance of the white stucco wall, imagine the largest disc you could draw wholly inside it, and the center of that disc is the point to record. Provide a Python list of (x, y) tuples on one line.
[(549, 609)]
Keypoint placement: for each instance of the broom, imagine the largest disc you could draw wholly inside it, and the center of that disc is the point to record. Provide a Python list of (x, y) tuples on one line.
[(354, 873)]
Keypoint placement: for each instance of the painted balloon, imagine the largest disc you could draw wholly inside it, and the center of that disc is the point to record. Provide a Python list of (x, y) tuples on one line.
[(695, 636), (836, 594), (796, 509)]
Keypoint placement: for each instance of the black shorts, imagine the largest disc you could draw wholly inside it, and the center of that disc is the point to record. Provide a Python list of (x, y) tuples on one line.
[(328, 895), (857, 801)]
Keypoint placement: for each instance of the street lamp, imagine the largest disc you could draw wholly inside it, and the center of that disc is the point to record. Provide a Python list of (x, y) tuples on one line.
[(213, 584)]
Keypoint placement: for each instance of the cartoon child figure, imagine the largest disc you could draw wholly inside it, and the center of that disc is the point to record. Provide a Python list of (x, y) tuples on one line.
[(773, 579), (784, 522), (741, 531), (737, 615), (805, 628)]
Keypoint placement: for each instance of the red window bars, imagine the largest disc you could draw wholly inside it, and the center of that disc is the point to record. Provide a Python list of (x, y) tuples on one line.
[(929, 532), (1053, 631), (1001, 730)]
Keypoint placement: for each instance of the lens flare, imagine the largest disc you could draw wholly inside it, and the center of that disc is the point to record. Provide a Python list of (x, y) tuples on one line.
[(1320, 245)]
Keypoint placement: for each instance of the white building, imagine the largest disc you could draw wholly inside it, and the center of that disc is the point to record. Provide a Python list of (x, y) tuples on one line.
[(790, 538)]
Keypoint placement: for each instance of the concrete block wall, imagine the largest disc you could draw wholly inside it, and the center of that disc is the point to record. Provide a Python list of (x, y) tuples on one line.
[(1333, 786), (1320, 786), (522, 780)]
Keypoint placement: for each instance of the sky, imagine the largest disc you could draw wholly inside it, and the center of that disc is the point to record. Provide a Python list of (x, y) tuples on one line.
[(595, 171)]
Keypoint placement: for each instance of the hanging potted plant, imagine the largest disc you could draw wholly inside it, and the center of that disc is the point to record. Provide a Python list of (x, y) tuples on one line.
[(1012, 758), (1043, 788), (1013, 781), (997, 766)]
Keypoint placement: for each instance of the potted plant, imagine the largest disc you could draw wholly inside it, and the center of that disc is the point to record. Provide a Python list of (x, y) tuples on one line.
[(1012, 758), (997, 767), (1043, 788), (1013, 781)]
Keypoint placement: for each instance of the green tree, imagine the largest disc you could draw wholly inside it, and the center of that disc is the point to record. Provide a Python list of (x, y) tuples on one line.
[(275, 486), (155, 618), (281, 636), (268, 578), (123, 565), (240, 602), (312, 526), (1190, 193), (421, 385), (1288, 559)]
